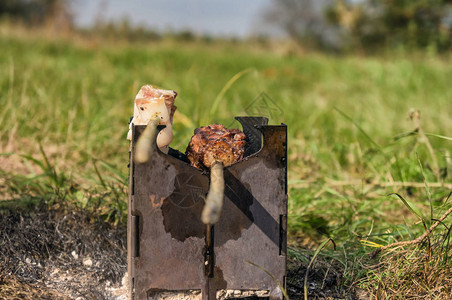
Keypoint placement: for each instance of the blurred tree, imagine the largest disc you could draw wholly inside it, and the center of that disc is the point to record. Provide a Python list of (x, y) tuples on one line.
[(38, 12), (122, 29), (369, 24), (304, 21), (388, 23)]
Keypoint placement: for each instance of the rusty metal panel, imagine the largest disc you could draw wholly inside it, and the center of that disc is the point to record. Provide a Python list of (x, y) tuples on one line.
[(167, 240)]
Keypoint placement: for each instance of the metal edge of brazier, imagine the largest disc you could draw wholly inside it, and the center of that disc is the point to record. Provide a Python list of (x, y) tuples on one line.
[(166, 239)]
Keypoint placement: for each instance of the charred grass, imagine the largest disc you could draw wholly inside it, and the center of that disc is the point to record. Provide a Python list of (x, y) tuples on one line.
[(52, 252), (353, 140)]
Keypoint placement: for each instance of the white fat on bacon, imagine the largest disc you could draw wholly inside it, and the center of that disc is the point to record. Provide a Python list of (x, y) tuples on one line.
[(151, 102)]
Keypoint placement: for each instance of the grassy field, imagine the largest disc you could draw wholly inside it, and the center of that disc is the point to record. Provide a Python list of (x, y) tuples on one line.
[(65, 106)]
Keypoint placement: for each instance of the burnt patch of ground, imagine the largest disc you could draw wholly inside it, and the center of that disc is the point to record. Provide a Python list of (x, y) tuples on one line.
[(59, 252), (62, 252), (325, 280)]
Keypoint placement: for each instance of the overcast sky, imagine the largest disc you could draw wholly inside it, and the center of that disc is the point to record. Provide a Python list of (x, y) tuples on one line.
[(215, 17)]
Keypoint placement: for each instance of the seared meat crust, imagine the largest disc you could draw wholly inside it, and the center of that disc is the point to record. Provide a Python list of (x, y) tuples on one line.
[(215, 143)]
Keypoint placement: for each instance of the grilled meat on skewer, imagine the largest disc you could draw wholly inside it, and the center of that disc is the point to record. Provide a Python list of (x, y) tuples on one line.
[(215, 143), (212, 148)]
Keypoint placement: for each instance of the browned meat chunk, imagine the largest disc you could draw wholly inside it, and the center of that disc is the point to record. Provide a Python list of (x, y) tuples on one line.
[(215, 143)]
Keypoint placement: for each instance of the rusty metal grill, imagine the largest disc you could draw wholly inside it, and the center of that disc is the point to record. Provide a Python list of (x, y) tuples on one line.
[(167, 245)]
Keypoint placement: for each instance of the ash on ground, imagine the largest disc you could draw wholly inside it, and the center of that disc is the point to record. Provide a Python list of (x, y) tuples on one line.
[(60, 253), (324, 281)]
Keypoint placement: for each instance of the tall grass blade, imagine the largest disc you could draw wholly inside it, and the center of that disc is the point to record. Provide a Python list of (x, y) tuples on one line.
[(272, 276), (439, 136), (427, 190), (35, 161), (446, 240), (226, 87), (410, 207), (102, 182), (448, 197), (316, 253), (406, 134), (49, 169), (446, 250), (6, 153), (120, 177), (45, 159), (359, 127)]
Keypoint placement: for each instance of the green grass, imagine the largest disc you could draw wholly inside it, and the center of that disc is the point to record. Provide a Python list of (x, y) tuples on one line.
[(343, 113)]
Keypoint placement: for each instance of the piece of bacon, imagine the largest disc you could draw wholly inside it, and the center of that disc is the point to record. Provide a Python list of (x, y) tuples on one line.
[(151, 102)]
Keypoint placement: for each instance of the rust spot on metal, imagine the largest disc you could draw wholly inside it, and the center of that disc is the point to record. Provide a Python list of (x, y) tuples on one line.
[(156, 203)]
